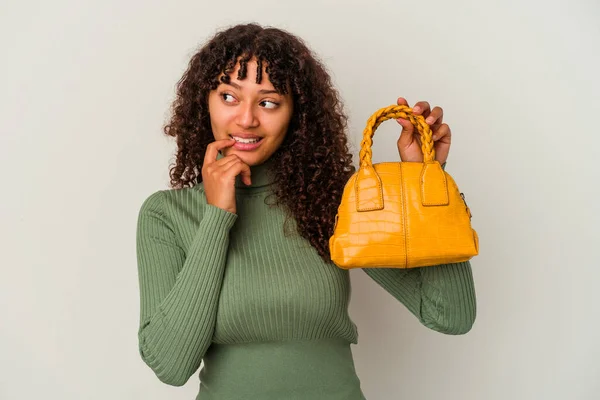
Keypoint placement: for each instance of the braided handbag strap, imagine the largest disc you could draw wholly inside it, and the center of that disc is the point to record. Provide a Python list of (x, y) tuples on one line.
[(394, 112)]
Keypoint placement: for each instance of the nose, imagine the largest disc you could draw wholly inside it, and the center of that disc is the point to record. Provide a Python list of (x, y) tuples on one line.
[(246, 117)]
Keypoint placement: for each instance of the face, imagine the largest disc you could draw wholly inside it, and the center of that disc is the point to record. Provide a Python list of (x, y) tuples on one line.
[(255, 115)]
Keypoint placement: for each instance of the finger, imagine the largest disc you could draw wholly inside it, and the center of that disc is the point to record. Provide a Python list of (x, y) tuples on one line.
[(225, 162), (443, 132), (402, 101), (435, 117), (406, 136), (213, 148), (217, 168), (420, 107), (239, 167), (220, 167)]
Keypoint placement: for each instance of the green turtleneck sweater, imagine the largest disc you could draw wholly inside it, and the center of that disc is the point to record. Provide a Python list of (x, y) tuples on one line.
[(263, 311)]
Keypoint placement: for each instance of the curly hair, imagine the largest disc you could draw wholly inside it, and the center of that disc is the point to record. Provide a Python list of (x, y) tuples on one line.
[(313, 164)]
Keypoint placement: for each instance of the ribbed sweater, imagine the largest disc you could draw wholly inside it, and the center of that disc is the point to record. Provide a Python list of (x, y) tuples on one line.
[(235, 288)]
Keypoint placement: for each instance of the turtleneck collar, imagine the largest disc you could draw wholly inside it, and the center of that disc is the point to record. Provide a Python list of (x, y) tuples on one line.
[(259, 175)]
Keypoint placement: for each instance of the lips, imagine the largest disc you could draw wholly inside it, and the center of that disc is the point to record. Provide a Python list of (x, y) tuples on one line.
[(246, 142)]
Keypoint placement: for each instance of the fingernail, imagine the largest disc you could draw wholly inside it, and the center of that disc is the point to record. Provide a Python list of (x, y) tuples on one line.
[(429, 120), (416, 109)]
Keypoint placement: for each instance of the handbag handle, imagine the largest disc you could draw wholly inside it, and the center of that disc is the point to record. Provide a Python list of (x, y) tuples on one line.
[(368, 188), (395, 111)]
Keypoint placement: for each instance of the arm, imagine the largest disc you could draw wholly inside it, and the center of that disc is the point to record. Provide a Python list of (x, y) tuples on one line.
[(179, 292), (442, 297)]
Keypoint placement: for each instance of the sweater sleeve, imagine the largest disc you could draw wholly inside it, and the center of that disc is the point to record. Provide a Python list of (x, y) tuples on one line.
[(442, 297), (179, 292)]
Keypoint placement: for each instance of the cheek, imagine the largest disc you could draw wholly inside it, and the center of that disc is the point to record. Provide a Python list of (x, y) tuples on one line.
[(279, 125), (220, 120)]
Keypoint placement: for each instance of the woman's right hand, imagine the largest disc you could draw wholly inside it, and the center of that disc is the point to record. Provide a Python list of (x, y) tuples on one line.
[(219, 175)]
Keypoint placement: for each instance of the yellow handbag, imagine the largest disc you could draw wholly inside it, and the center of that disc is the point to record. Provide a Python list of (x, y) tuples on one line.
[(401, 214)]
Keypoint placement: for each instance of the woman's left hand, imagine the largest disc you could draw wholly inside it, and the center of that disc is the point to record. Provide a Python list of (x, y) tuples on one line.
[(409, 143)]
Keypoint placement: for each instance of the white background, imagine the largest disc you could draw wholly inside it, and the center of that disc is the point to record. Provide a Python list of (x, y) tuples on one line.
[(85, 87)]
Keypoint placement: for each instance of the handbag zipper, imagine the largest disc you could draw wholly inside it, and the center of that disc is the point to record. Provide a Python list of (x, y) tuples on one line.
[(462, 195)]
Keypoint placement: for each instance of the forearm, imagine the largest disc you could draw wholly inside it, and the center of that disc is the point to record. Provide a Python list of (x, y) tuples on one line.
[(442, 297), (176, 332)]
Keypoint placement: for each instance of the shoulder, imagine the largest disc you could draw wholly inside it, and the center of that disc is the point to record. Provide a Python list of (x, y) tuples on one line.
[(152, 203), (181, 197), (166, 195), (174, 201)]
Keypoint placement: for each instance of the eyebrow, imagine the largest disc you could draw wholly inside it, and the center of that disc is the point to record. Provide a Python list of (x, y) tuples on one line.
[(262, 91)]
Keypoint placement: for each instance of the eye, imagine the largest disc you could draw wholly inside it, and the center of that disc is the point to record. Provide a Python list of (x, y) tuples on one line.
[(227, 98), (269, 104)]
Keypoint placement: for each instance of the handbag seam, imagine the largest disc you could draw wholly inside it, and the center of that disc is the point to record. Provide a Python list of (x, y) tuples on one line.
[(403, 197)]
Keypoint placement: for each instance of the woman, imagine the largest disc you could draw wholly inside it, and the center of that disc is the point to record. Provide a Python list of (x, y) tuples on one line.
[(262, 147)]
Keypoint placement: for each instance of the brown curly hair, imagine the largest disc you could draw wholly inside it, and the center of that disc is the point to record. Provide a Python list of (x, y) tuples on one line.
[(313, 164)]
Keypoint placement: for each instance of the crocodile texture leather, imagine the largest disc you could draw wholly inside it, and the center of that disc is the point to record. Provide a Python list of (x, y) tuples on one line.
[(401, 214)]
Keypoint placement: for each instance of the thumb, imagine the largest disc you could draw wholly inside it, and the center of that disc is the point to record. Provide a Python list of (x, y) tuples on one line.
[(246, 176), (406, 136)]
